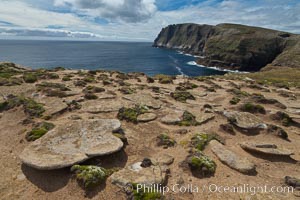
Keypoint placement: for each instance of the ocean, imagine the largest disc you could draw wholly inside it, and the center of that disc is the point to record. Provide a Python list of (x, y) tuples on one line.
[(91, 55)]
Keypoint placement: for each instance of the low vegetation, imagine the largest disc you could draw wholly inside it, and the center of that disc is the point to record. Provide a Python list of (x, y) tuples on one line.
[(39, 130)]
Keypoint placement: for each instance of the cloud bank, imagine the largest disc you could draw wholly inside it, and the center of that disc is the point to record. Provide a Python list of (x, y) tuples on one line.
[(139, 20)]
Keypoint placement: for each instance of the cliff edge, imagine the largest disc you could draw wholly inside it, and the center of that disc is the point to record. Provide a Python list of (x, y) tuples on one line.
[(233, 46)]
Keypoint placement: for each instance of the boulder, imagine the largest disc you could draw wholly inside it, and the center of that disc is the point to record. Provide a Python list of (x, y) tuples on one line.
[(144, 99), (245, 120), (71, 143), (266, 148), (231, 159), (146, 117)]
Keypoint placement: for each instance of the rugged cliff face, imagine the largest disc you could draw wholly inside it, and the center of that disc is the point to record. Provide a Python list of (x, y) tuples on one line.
[(233, 46)]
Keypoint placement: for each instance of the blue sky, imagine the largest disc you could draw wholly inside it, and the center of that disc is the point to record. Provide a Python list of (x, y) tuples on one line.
[(136, 20)]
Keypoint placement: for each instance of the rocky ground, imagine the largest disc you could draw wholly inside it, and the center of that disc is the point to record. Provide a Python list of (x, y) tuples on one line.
[(125, 129)]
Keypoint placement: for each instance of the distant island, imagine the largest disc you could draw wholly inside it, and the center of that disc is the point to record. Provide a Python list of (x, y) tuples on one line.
[(233, 46)]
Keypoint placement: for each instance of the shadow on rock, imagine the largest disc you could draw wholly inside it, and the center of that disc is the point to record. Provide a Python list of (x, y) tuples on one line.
[(47, 180), (273, 158), (118, 159)]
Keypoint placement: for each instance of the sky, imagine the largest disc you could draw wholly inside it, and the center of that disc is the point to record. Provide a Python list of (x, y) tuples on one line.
[(136, 20)]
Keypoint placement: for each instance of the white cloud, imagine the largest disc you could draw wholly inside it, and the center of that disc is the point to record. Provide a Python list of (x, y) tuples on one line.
[(139, 19), (122, 10)]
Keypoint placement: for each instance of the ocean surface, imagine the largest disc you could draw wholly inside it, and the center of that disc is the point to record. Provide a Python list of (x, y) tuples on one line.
[(121, 56)]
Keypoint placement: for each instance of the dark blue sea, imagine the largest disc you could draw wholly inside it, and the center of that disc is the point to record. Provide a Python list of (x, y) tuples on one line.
[(121, 56)]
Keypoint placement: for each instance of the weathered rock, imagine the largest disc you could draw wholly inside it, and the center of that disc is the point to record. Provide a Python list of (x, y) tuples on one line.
[(139, 175), (103, 106), (266, 148), (173, 117), (71, 143), (204, 117), (144, 99), (107, 95), (146, 117), (53, 105), (245, 120), (162, 159), (231, 159)]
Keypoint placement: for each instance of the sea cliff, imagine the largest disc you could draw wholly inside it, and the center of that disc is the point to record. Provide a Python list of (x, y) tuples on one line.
[(233, 46)]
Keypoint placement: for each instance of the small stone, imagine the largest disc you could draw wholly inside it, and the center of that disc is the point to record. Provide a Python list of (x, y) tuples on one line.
[(146, 163), (292, 181), (162, 159), (181, 131), (146, 117), (173, 117)]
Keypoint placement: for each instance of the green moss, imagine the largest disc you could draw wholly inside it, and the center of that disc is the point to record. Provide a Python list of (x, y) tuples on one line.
[(253, 108), (182, 96), (141, 195), (89, 79), (90, 176), (202, 164), (199, 141), (126, 90), (164, 79), (80, 83), (93, 89), (31, 107), (285, 119), (234, 100), (30, 77), (165, 140), (90, 96), (10, 81), (239, 93), (106, 82), (150, 79), (188, 119), (66, 78), (39, 130), (131, 114)]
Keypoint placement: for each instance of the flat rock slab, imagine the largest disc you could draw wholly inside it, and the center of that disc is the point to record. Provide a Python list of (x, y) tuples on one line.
[(139, 175), (146, 117), (72, 143), (204, 117), (245, 120), (102, 106), (173, 117), (106, 95), (144, 99), (231, 159), (53, 105), (266, 148)]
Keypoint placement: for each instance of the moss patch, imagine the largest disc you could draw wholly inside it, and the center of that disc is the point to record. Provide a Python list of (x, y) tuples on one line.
[(201, 163), (131, 114), (199, 141), (39, 130), (164, 79), (182, 96), (234, 100), (31, 107), (285, 119), (30, 77), (188, 119), (90, 176), (165, 141), (253, 108)]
